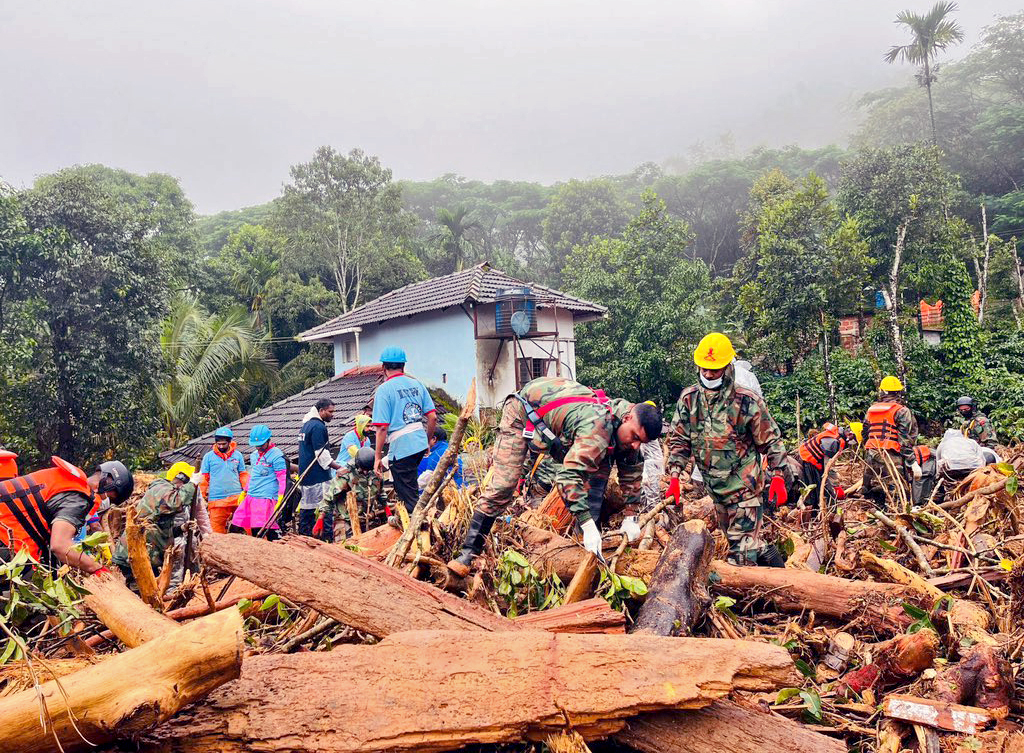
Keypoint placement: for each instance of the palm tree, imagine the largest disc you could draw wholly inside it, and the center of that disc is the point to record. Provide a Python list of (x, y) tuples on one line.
[(213, 361), (456, 227), (258, 252), (932, 32)]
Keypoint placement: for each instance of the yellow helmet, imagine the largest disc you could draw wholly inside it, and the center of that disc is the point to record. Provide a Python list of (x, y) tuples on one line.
[(858, 431), (182, 468), (715, 351), (891, 384)]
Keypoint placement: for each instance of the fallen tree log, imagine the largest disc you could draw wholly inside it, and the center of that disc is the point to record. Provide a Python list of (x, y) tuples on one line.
[(360, 592), (551, 554), (878, 604), (678, 594), (723, 727), (982, 677), (376, 540), (138, 560), (128, 693), (128, 617), (482, 688), (590, 616)]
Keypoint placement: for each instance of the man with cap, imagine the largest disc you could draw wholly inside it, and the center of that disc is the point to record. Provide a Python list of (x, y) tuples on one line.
[(224, 478), (165, 499), (891, 435), (724, 427), (268, 478), (404, 416), (974, 424), (41, 512)]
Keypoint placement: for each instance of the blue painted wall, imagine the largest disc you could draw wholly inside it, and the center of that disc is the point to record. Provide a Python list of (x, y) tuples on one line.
[(439, 345)]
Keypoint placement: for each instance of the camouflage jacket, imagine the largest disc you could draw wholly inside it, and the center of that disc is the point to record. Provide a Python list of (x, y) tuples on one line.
[(587, 432), (157, 509), (979, 428), (724, 430)]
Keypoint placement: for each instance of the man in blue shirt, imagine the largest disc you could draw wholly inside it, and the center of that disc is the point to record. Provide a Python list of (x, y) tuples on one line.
[(400, 406), (438, 447), (316, 462)]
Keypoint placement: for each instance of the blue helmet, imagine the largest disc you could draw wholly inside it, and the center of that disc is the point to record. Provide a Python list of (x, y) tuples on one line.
[(224, 431), (392, 355), (258, 435)]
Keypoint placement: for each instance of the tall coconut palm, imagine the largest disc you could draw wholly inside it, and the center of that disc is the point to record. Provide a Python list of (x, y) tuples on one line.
[(456, 226), (932, 33), (213, 361)]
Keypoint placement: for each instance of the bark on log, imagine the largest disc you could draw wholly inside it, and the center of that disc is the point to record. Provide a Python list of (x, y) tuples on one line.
[(127, 693), (482, 688), (590, 616), (360, 592), (138, 559), (132, 621), (893, 662), (678, 593), (551, 554), (878, 604), (723, 727)]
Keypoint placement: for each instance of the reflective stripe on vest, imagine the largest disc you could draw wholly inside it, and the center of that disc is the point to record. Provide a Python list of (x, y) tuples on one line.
[(24, 520), (811, 450), (882, 432), (922, 453)]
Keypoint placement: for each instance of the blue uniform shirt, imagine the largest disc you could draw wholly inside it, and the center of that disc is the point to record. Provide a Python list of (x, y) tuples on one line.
[(263, 473), (224, 481), (430, 462), (349, 440), (398, 403)]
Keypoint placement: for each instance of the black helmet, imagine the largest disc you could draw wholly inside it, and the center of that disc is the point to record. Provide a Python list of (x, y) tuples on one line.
[(116, 478), (365, 458), (966, 400), (830, 446)]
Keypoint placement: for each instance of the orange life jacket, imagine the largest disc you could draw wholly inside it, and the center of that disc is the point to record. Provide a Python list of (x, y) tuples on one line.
[(811, 450), (24, 519), (922, 453), (881, 426), (8, 464)]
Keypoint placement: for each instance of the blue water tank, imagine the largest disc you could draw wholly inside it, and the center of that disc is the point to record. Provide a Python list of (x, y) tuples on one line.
[(508, 301)]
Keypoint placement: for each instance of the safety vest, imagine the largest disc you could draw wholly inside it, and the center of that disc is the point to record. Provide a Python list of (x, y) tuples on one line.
[(8, 464), (922, 453), (811, 450), (24, 519), (881, 425)]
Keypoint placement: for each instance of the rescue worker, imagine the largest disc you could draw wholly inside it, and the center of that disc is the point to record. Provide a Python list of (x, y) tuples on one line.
[(723, 427), (891, 436), (268, 479), (8, 464), (40, 512), (809, 459), (164, 499), (317, 464), (224, 478), (354, 438), (973, 423), (956, 457), (356, 476), (438, 447), (584, 432), (404, 416), (921, 489)]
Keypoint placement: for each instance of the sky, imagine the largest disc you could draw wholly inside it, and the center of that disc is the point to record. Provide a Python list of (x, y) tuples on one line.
[(227, 95)]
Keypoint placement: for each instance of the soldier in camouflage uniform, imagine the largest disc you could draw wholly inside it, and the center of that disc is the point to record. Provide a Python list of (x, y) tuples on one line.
[(163, 501), (973, 423), (891, 435), (356, 475), (583, 431), (723, 427)]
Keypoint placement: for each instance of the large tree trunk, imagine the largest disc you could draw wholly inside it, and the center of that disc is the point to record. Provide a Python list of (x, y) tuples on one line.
[(879, 605), (894, 291), (826, 359), (433, 691), (376, 540), (723, 727), (360, 592), (678, 594), (590, 616), (552, 554), (129, 692), (132, 621)]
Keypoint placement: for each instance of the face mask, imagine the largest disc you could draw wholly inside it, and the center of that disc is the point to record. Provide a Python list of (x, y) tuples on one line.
[(711, 384)]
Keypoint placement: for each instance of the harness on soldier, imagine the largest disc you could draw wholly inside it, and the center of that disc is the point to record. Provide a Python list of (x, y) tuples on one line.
[(534, 422)]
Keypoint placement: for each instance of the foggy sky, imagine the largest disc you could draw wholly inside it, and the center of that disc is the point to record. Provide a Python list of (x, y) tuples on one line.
[(226, 95)]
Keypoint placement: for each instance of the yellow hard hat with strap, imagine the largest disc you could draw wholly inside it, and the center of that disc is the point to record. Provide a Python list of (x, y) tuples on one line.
[(715, 351)]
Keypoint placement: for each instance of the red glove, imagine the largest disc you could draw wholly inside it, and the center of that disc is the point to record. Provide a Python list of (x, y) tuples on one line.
[(777, 491), (674, 492), (101, 571), (840, 492), (318, 527)]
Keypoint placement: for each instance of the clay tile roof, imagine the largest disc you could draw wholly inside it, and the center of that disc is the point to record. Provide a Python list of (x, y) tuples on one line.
[(350, 391), (477, 284)]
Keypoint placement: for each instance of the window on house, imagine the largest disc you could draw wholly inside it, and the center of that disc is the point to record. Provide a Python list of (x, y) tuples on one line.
[(531, 368), (348, 351)]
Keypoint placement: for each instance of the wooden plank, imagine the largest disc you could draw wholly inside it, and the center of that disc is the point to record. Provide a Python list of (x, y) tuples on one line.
[(951, 717)]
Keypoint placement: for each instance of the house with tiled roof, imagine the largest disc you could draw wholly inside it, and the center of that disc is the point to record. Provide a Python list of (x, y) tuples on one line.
[(475, 323)]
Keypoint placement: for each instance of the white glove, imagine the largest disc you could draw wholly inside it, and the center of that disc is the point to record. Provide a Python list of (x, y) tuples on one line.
[(916, 470), (196, 478), (630, 528), (592, 538)]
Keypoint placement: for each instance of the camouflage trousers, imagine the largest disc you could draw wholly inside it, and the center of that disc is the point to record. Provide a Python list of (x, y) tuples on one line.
[(510, 451), (365, 484), (740, 520), (880, 484)]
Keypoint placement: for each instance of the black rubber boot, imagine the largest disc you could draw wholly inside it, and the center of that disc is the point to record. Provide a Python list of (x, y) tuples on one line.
[(479, 527), (770, 556)]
